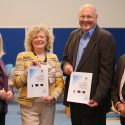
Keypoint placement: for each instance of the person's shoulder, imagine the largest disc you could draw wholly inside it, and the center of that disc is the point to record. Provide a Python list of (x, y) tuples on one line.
[(51, 55), (122, 57), (76, 30), (25, 54), (121, 60), (104, 31)]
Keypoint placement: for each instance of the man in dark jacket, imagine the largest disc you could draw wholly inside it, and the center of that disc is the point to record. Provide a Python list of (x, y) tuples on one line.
[(118, 89), (90, 49)]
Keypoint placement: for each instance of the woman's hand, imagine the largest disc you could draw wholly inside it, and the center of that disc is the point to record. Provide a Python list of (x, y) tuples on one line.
[(3, 94), (47, 99), (35, 63), (9, 96)]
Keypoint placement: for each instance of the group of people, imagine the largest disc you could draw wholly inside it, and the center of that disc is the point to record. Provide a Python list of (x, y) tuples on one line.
[(89, 49)]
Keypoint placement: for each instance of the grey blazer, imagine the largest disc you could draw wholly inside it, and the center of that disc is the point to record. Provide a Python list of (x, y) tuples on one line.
[(98, 58)]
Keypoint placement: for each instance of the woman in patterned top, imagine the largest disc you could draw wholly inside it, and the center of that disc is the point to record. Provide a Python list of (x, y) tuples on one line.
[(38, 110)]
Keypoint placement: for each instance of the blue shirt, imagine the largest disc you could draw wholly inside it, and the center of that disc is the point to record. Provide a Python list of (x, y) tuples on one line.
[(82, 44)]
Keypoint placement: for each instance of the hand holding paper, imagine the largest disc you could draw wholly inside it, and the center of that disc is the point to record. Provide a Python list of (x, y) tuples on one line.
[(37, 81), (92, 103), (80, 87)]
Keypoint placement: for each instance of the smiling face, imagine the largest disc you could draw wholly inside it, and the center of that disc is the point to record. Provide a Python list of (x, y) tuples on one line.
[(39, 41), (87, 17)]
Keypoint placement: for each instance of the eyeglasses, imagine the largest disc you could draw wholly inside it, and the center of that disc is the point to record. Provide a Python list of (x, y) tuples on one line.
[(87, 16)]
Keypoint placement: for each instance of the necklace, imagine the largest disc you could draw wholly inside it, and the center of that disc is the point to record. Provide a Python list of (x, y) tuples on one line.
[(44, 59)]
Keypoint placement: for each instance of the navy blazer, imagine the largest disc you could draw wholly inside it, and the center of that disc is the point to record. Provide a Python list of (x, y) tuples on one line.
[(98, 58)]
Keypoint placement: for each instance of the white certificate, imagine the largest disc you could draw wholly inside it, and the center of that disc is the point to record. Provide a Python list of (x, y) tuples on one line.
[(37, 81), (80, 87)]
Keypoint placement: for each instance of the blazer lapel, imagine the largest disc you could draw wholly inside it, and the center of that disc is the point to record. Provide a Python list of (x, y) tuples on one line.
[(76, 48), (88, 49)]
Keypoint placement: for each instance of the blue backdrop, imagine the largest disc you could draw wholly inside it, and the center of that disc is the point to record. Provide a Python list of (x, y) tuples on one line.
[(61, 36), (14, 41)]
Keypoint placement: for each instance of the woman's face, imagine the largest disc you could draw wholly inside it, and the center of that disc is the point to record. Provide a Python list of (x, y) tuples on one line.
[(39, 42)]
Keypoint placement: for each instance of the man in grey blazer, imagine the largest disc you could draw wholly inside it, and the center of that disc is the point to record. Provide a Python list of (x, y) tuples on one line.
[(90, 49)]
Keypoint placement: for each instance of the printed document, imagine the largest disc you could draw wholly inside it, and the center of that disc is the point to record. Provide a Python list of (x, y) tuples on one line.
[(80, 87), (37, 82)]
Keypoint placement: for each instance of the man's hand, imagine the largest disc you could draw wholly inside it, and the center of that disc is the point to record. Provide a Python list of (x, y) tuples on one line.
[(121, 108), (68, 69), (93, 103)]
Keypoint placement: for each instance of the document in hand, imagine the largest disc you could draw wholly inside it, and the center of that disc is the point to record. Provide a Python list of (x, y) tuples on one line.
[(79, 87), (37, 81)]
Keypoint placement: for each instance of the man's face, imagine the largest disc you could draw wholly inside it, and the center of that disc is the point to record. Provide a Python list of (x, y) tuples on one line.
[(87, 18)]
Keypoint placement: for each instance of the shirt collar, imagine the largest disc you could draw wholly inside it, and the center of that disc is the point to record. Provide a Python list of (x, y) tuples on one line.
[(90, 32)]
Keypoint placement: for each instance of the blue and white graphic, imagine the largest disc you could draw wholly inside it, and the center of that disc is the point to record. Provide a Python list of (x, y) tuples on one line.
[(79, 87), (37, 81)]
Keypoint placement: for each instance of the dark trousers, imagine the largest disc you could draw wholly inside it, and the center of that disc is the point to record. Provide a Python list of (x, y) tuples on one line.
[(77, 117), (122, 120), (2, 118)]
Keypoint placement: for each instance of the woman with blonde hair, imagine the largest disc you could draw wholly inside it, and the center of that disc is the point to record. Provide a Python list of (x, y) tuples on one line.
[(38, 110), (6, 93)]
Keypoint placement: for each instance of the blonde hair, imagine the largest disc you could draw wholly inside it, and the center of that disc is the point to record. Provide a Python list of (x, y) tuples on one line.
[(31, 33), (1, 46)]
